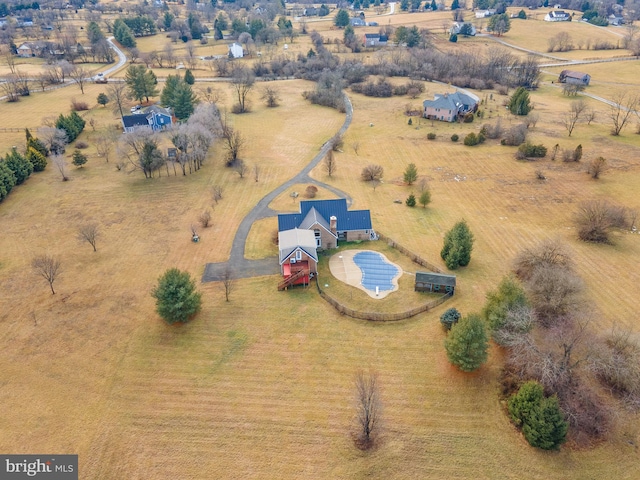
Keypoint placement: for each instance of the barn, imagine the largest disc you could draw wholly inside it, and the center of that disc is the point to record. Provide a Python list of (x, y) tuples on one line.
[(298, 257), (435, 282), (577, 78)]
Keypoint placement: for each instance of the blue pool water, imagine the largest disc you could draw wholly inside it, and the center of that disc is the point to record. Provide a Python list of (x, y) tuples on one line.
[(376, 271)]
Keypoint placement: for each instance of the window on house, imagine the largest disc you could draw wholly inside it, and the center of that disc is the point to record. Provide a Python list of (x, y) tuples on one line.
[(298, 255)]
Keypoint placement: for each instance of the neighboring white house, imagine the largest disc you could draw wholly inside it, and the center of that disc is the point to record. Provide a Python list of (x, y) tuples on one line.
[(457, 27), (616, 20), (557, 16), (485, 13), (235, 50)]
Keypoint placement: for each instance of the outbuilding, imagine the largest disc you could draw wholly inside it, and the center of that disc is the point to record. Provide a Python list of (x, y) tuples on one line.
[(435, 282)]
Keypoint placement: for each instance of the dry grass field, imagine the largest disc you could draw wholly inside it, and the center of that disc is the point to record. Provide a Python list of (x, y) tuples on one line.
[(262, 386)]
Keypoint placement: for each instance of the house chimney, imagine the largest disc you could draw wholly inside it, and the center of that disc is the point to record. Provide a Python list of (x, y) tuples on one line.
[(333, 225)]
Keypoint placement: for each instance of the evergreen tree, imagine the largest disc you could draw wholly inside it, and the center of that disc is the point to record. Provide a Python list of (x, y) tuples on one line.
[(410, 174), (342, 18), (453, 38), (546, 428), (141, 82), (434, 5), (455, 5), (7, 180), (188, 77), (184, 101), (167, 20), (27, 134), (499, 24), (458, 244), (94, 33), (450, 318), (509, 296), (541, 419), (467, 343), (522, 14), (79, 159), (425, 198), (176, 296), (166, 98), (411, 200), (404, 5), (103, 99), (36, 159), (123, 34), (38, 145), (519, 103), (19, 165)]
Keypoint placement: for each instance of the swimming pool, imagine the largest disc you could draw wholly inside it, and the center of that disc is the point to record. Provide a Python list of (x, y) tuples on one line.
[(376, 271)]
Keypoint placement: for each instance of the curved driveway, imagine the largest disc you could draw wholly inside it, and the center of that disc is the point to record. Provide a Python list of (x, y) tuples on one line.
[(238, 265)]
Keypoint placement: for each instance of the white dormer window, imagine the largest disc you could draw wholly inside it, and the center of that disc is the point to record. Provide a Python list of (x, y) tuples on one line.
[(298, 255)]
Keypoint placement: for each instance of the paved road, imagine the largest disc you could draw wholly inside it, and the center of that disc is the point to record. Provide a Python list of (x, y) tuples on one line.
[(122, 58), (238, 265)]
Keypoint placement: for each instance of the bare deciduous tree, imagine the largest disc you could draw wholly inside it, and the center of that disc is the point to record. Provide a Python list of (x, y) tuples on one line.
[(372, 173), (573, 116), (242, 81), (356, 147), (270, 96), (368, 409), (205, 219), (329, 163), (256, 173), (227, 283), (80, 76), (624, 105), (48, 267), (240, 167), (216, 193), (596, 167), (104, 142), (117, 93), (61, 164), (89, 233)]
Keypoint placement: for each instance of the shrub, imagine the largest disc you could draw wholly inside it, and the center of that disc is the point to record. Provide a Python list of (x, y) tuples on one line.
[(596, 166), (79, 159), (455, 137), (311, 191), (450, 318), (78, 106), (515, 136), (492, 131), (596, 218), (425, 198), (410, 122), (471, 140), (82, 145), (411, 200), (431, 136), (37, 159), (577, 153), (468, 117), (529, 150), (372, 172)]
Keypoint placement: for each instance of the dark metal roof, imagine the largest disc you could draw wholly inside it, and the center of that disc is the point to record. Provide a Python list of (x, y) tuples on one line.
[(347, 220), (134, 121), (436, 278)]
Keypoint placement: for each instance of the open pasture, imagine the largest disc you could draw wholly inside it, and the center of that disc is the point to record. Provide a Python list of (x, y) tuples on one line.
[(262, 386)]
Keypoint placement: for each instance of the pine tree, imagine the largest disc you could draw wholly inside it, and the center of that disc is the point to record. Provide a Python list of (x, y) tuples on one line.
[(176, 296), (527, 399), (410, 174), (103, 99), (36, 158), (19, 165), (79, 159), (546, 427), (184, 101), (411, 200), (434, 5), (7, 180), (467, 343), (509, 296), (458, 244), (455, 5), (450, 318), (519, 103), (37, 145), (342, 18), (166, 98), (188, 77)]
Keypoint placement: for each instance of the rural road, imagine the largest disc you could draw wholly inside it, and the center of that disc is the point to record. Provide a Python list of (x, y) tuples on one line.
[(122, 58), (241, 267)]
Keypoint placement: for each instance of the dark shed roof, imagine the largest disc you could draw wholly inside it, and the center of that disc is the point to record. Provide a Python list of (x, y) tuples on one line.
[(436, 278)]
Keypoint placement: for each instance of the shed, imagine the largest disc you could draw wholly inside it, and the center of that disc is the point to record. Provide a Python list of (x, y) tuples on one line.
[(235, 50), (435, 282), (577, 78)]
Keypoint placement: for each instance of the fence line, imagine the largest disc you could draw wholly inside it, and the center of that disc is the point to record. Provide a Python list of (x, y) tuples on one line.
[(378, 316), (388, 317), (414, 257)]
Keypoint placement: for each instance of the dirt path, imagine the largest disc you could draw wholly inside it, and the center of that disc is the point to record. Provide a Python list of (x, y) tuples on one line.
[(241, 267)]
